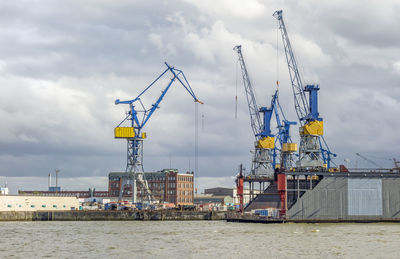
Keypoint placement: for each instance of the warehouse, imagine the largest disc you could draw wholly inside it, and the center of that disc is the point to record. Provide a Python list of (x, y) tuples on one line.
[(36, 203)]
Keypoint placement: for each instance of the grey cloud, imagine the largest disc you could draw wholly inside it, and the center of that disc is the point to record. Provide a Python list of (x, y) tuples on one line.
[(63, 64)]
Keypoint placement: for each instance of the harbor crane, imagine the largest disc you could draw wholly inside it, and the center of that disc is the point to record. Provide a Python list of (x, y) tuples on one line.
[(265, 150), (314, 153), (369, 160), (394, 160), (396, 163), (262, 163), (288, 148), (137, 118)]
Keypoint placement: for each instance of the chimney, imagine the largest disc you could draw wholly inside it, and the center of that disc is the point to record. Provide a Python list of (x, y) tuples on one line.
[(57, 171)]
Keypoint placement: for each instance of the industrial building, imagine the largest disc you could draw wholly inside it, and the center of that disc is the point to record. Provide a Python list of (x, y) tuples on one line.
[(35, 203), (339, 196), (222, 192), (214, 197), (167, 185), (209, 200), (219, 191), (79, 194)]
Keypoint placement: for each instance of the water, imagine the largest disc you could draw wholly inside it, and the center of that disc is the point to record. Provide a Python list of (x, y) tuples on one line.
[(196, 239)]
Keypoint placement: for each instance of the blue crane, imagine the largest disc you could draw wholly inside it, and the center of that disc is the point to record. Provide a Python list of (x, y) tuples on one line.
[(262, 163), (288, 148), (312, 154), (138, 119), (265, 149)]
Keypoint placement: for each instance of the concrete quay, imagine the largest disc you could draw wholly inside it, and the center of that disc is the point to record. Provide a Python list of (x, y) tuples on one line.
[(110, 215)]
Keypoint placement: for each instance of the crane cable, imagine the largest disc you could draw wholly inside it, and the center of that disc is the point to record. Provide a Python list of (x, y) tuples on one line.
[(236, 93), (277, 55), (196, 149)]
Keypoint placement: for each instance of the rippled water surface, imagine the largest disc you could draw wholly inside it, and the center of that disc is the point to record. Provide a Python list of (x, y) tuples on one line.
[(196, 239)]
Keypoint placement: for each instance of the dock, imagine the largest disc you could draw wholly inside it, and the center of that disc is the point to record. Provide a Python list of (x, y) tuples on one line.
[(103, 215)]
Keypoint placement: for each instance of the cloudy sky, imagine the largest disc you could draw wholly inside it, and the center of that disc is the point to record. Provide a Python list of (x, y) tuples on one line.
[(63, 64)]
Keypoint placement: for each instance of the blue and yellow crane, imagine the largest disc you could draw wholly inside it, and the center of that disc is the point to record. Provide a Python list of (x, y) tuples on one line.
[(137, 118), (262, 163), (287, 147), (314, 153)]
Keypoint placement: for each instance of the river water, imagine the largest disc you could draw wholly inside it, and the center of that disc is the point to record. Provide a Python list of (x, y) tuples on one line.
[(196, 239)]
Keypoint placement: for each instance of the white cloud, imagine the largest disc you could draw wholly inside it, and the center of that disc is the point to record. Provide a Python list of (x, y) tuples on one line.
[(396, 66), (240, 9), (156, 40)]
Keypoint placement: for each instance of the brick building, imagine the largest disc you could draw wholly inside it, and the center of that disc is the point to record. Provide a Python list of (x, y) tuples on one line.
[(167, 185)]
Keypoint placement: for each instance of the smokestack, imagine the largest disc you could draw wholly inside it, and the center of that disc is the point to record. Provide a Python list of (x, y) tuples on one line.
[(57, 170)]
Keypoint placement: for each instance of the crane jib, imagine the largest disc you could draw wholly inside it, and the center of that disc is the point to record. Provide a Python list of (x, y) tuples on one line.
[(300, 100), (255, 119)]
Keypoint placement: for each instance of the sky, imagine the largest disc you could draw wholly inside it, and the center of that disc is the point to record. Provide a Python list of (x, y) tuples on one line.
[(63, 64)]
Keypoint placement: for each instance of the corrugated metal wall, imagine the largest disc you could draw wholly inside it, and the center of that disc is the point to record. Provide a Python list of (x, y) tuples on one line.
[(364, 197), (346, 198)]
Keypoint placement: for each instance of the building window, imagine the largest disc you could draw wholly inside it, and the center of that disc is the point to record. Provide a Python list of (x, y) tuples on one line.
[(32, 206), (9, 206), (43, 206), (54, 206), (64, 206)]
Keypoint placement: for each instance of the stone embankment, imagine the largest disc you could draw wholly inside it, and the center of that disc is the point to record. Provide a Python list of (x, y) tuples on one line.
[(109, 215)]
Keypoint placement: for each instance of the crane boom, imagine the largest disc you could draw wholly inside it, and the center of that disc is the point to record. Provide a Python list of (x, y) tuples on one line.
[(300, 100), (255, 119)]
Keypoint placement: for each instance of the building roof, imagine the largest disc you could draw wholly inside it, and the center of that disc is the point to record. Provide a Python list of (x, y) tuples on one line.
[(151, 174), (218, 191), (209, 199)]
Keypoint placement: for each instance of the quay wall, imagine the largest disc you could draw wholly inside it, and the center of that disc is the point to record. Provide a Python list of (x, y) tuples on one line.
[(109, 215)]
